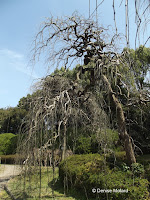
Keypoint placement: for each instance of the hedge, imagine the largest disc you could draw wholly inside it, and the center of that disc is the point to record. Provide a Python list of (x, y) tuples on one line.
[(85, 172), (8, 159)]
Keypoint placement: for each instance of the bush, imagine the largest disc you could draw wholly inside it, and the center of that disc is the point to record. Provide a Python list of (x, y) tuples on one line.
[(84, 172), (138, 169), (125, 167), (116, 159), (76, 165), (8, 143), (83, 145)]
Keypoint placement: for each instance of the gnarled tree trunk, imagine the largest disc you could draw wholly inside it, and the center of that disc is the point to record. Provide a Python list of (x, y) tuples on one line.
[(121, 124), (64, 143)]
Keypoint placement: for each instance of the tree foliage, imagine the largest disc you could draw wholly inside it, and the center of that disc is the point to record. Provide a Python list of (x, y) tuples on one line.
[(8, 143), (140, 65), (11, 119)]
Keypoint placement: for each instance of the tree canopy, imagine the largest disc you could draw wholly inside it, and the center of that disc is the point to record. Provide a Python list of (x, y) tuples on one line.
[(11, 119)]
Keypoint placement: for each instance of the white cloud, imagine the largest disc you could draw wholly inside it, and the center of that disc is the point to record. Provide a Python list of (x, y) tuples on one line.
[(10, 53), (17, 61)]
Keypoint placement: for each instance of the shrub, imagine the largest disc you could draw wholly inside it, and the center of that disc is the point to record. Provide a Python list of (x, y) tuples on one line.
[(8, 143), (83, 145), (147, 173), (84, 172), (125, 167), (138, 169), (117, 159), (76, 165)]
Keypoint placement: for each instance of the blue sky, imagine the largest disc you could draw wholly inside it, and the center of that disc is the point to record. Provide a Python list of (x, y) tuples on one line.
[(20, 21)]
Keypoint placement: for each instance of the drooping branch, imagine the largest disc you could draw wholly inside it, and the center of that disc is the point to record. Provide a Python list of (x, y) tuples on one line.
[(58, 106), (68, 39)]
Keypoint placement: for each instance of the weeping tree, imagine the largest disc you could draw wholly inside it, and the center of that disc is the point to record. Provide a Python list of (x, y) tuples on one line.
[(69, 39), (58, 106), (63, 102)]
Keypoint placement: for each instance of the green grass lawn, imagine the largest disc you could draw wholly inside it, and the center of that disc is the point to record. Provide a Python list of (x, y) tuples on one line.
[(29, 187)]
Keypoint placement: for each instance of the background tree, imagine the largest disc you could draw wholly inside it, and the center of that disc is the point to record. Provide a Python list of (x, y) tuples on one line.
[(140, 63), (8, 143), (11, 119)]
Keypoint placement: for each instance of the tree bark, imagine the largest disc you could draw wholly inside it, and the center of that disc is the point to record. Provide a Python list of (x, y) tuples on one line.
[(64, 143), (121, 124)]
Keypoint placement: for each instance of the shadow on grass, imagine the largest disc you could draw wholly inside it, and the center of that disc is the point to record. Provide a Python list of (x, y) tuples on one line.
[(23, 196), (57, 185)]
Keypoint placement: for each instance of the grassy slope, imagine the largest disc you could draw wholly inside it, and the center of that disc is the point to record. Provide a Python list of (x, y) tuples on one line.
[(32, 184)]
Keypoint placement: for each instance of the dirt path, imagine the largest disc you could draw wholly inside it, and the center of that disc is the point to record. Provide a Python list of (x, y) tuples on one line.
[(7, 172)]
